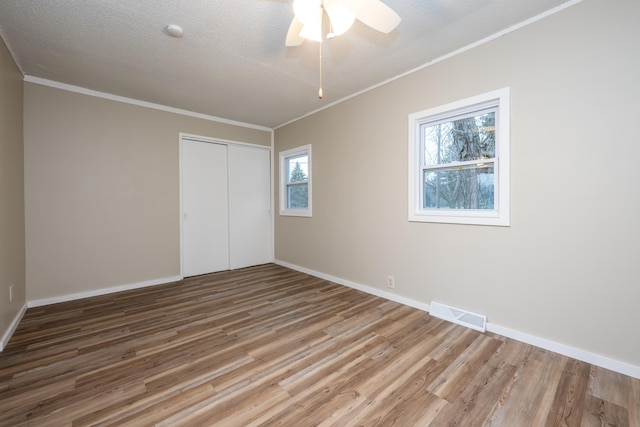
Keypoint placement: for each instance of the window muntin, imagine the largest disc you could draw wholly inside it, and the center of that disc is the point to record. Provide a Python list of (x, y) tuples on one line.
[(295, 181), (459, 162)]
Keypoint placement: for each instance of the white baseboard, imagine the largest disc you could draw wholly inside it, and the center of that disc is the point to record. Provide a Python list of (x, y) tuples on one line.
[(373, 291), (565, 350), (12, 328), (70, 297), (103, 291)]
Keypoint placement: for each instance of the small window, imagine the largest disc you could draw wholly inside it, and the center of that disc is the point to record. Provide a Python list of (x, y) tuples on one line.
[(295, 181), (459, 162)]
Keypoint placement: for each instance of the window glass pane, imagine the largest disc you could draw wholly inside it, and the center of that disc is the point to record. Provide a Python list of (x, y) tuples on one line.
[(298, 169), (467, 187), (295, 181), (297, 196), (464, 138)]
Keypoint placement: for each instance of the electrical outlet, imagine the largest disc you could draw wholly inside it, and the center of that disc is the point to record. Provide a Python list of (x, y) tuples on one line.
[(10, 293), (391, 282)]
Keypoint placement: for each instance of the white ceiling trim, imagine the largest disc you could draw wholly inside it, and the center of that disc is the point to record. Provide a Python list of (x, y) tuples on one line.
[(125, 100)]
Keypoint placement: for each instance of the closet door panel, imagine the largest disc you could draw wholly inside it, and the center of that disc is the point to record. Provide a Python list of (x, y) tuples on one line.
[(249, 206), (205, 228)]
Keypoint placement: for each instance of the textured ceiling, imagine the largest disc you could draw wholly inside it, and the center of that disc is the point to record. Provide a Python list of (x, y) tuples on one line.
[(232, 62)]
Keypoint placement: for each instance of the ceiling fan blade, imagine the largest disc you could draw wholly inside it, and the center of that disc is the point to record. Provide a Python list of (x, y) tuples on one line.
[(374, 13), (293, 35)]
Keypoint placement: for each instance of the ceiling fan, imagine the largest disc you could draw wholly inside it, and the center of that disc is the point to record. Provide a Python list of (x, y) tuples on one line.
[(307, 22)]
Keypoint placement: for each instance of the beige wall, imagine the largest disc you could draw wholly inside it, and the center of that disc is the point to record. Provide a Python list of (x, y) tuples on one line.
[(565, 270), (102, 190), (12, 256)]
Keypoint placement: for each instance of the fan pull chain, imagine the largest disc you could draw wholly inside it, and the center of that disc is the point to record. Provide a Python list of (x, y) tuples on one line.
[(320, 94)]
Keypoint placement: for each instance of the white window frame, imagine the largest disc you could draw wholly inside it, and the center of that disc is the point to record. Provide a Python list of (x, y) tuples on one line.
[(304, 150), (500, 215)]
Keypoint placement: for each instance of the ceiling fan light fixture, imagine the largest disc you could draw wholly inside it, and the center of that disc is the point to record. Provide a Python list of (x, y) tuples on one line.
[(306, 10), (309, 13), (308, 17), (342, 13), (340, 17), (313, 30)]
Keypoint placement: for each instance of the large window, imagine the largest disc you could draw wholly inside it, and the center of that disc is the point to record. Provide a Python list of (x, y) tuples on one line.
[(459, 162), (295, 181)]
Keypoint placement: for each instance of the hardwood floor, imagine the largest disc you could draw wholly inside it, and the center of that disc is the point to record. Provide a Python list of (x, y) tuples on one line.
[(268, 346)]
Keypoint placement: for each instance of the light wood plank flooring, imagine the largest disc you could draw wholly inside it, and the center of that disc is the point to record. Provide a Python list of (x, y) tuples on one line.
[(268, 346)]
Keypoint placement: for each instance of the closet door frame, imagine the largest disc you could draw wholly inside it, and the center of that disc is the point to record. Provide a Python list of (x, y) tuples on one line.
[(190, 137)]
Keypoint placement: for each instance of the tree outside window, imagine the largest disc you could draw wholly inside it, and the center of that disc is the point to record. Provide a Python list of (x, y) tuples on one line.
[(295, 181), (297, 187), (455, 143)]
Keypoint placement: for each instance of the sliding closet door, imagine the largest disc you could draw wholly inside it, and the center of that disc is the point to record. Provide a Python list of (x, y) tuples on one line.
[(205, 230), (249, 206)]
